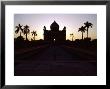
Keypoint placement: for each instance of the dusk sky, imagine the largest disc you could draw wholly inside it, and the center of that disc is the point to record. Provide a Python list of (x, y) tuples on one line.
[(72, 22)]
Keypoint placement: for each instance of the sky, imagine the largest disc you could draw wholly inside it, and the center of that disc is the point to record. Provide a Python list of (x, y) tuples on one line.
[(72, 22)]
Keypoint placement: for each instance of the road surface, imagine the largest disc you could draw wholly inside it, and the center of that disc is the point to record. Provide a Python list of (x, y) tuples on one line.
[(55, 61)]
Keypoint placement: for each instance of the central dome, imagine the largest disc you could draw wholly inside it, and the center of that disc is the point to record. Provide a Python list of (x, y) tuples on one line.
[(54, 26)]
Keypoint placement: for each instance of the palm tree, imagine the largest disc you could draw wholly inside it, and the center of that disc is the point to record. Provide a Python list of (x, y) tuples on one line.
[(71, 35), (34, 34), (18, 28), (26, 30), (87, 25), (82, 29)]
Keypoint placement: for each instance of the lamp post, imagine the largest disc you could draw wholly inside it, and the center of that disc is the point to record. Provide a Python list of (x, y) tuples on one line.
[(72, 35)]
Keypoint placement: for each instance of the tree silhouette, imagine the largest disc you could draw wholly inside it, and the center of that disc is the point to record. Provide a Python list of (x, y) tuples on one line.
[(87, 25), (82, 29), (26, 31), (19, 28), (34, 34), (71, 35)]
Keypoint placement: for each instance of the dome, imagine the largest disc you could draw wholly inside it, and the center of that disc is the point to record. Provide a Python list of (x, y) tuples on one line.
[(54, 26)]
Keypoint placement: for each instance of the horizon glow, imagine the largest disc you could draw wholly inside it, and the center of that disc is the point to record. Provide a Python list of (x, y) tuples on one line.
[(72, 22)]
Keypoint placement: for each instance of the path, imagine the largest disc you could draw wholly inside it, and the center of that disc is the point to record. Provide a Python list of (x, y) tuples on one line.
[(55, 61)]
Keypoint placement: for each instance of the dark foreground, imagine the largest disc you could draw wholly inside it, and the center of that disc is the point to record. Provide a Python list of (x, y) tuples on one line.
[(56, 61)]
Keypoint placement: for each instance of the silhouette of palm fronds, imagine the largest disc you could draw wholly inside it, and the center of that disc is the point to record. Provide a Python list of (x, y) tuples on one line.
[(18, 28), (26, 30), (82, 29), (87, 25), (34, 33)]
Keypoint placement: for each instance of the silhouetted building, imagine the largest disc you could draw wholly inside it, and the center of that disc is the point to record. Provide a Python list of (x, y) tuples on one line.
[(54, 34)]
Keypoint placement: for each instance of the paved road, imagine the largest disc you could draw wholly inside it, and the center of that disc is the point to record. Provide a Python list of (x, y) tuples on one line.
[(55, 61)]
